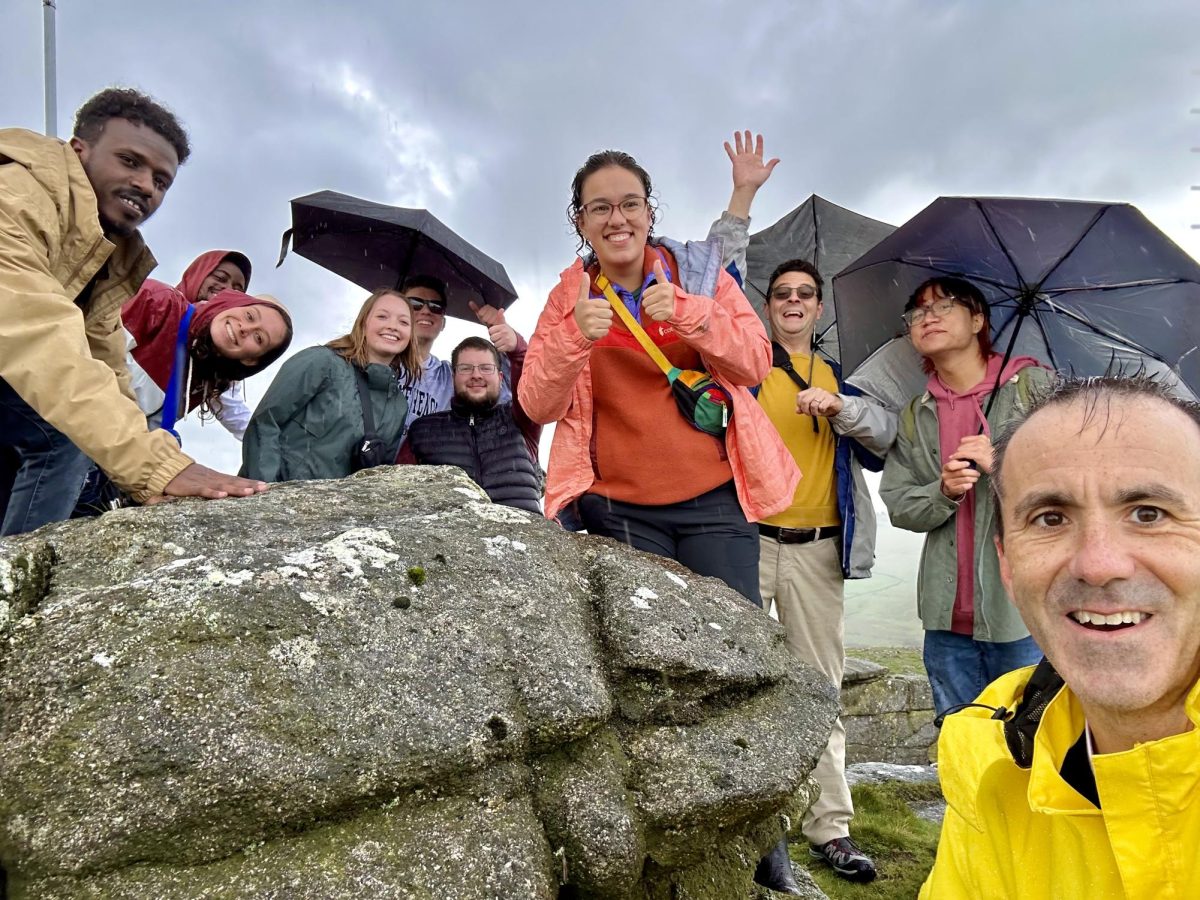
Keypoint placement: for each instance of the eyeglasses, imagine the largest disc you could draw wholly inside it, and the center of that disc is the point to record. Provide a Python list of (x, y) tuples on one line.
[(437, 307), (483, 368), (939, 308), (803, 292), (600, 210)]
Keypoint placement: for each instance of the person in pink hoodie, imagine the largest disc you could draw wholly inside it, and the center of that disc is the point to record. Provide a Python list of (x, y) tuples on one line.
[(935, 481)]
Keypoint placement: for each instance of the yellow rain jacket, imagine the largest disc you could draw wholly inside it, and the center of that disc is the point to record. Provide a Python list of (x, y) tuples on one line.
[(1017, 833), (67, 359)]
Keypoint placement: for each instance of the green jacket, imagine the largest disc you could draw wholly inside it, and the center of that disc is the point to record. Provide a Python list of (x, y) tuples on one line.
[(912, 490), (310, 419)]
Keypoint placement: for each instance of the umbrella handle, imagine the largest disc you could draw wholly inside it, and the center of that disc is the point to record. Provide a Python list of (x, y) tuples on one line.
[(283, 247)]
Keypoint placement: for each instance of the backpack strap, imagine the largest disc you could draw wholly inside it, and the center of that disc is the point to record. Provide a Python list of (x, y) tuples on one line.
[(173, 399), (1043, 686), (364, 398), (781, 360)]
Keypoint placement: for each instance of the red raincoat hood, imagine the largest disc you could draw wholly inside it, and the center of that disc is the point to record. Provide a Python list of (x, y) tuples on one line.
[(203, 265)]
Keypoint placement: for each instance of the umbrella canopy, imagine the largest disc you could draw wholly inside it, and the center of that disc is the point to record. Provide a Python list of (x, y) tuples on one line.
[(375, 246), (827, 235), (1087, 288)]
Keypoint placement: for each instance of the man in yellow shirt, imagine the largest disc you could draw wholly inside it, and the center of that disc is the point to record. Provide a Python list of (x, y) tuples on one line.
[(828, 533)]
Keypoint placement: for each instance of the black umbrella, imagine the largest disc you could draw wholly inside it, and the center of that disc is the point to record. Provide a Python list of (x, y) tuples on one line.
[(375, 246), (827, 235), (1087, 288)]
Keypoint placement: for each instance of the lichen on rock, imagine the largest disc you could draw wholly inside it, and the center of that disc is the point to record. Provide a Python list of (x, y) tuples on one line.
[(256, 698)]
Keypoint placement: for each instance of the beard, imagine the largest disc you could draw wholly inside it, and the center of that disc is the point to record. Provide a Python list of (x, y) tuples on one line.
[(484, 404)]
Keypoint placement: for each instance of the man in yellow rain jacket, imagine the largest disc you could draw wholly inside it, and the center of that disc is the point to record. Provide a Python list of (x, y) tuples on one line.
[(1088, 789)]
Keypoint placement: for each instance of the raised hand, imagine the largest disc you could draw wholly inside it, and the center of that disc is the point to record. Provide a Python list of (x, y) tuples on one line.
[(500, 332), (593, 315), (746, 155), (658, 300)]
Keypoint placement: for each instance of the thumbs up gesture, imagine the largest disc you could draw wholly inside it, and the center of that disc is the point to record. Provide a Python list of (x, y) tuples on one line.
[(593, 315), (658, 300), (500, 332)]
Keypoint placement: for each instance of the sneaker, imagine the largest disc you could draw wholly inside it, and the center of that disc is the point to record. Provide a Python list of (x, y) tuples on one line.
[(843, 856)]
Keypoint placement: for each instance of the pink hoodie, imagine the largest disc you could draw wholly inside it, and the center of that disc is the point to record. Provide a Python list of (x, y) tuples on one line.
[(960, 416)]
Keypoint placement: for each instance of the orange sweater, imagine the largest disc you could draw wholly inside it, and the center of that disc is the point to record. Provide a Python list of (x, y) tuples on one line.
[(557, 386)]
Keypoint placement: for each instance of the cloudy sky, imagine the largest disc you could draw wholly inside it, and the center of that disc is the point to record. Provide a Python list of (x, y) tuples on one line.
[(482, 112)]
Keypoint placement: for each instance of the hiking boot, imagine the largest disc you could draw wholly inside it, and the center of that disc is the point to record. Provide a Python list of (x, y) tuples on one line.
[(843, 856), (775, 871)]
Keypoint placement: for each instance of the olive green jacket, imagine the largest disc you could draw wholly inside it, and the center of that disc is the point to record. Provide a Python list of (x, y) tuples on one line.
[(912, 490), (310, 419)]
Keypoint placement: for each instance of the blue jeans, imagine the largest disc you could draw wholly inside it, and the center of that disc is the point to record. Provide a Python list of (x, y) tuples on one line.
[(960, 667), (41, 471)]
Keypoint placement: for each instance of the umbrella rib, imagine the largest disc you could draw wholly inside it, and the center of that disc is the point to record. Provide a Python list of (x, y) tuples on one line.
[(1118, 339), (999, 243), (1146, 282), (931, 268), (1079, 240)]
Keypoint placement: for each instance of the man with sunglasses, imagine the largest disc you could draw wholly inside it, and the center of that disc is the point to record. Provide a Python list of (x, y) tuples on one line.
[(828, 533), (936, 481), (492, 440), (432, 391)]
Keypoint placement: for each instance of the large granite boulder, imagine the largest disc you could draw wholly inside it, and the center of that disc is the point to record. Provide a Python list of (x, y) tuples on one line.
[(382, 687)]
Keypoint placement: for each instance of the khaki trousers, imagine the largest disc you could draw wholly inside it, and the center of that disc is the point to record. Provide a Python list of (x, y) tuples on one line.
[(805, 581)]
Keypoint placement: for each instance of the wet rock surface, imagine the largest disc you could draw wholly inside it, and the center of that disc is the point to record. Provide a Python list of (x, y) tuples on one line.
[(385, 686)]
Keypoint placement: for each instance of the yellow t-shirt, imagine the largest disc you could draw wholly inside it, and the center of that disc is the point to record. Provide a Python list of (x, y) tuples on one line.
[(815, 502)]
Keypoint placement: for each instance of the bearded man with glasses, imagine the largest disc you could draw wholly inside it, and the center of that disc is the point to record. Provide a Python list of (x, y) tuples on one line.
[(936, 481), (492, 440), (432, 391)]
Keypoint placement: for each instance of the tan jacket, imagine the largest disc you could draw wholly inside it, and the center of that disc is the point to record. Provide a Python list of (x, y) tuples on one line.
[(67, 360)]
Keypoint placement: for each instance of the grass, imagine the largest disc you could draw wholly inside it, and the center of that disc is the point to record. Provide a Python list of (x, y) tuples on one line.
[(899, 660), (901, 844)]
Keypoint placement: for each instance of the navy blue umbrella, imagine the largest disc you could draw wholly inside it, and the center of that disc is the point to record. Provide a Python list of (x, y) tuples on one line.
[(374, 245), (1087, 288)]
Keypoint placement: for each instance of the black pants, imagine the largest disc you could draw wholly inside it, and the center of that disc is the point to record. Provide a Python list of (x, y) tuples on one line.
[(709, 534)]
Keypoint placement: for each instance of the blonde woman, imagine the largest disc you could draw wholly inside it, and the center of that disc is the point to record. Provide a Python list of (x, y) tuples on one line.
[(310, 421)]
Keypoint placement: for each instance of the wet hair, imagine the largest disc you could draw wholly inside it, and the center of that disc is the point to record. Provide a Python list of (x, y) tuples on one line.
[(474, 343), (424, 281), (353, 346), (797, 265), (967, 294), (133, 106), (591, 166), (1097, 395)]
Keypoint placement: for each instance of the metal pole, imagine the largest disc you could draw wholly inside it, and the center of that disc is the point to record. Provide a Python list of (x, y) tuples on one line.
[(51, 67)]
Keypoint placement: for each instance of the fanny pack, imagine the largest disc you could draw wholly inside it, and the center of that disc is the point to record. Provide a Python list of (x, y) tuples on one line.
[(703, 403), (372, 450)]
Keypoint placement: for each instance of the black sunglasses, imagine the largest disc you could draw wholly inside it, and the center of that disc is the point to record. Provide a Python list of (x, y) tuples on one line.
[(435, 306)]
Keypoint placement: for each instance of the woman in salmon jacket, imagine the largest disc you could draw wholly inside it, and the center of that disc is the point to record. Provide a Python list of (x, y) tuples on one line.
[(623, 453), (624, 460)]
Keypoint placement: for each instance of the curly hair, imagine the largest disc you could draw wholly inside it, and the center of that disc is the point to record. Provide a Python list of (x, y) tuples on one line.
[(593, 164), (136, 107)]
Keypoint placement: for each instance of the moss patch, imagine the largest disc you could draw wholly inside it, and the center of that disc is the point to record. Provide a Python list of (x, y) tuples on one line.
[(899, 660), (902, 845)]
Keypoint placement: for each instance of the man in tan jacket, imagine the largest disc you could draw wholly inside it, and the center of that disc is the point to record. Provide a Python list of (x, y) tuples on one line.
[(70, 256)]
